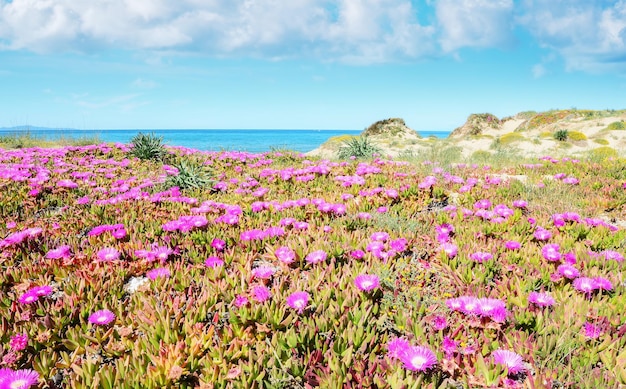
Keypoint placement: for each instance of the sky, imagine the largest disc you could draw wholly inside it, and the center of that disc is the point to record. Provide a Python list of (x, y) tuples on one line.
[(304, 64)]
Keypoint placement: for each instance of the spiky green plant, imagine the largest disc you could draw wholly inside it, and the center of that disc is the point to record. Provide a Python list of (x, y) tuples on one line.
[(561, 135), (359, 147), (148, 146), (191, 175)]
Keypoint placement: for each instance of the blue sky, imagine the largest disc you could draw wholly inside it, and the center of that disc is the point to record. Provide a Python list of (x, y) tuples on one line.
[(320, 64)]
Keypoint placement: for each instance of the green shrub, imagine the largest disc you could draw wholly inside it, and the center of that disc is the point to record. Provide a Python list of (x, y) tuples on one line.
[(602, 153), (561, 135), (360, 147), (511, 137), (191, 175), (603, 142), (617, 126), (148, 146), (576, 135)]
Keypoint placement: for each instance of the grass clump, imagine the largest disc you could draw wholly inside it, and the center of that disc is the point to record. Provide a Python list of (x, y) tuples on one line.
[(190, 175), (148, 147), (602, 153), (359, 147), (561, 135), (510, 138), (603, 142), (617, 126)]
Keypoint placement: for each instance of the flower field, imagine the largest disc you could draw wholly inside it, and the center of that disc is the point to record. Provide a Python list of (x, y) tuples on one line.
[(286, 272)]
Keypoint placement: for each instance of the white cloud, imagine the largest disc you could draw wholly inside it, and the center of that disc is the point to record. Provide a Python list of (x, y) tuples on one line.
[(141, 83), (368, 30), (589, 35), (539, 70), (475, 23)]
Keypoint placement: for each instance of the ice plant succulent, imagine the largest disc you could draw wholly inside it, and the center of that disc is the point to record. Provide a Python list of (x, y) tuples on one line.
[(18, 379), (509, 359), (298, 301), (101, 317), (367, 282)]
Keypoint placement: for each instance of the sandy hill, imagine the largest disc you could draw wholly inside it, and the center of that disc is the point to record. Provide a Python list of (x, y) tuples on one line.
[(575, 133)]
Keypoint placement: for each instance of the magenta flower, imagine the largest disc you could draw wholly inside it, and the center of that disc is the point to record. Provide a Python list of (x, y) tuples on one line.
[(316, 257), (568, 271), (28, 298), (119, 234), (592, 331), (439, 323), (418, 358), (18, 342), (162, 253), (396, 347), (512, 245), (108, 254), (367, 282), (263, 272), (449, 346), (213, 262), (511, 360), (540, 299), (551, 252), (482, 204), (298, 301), (602, 283), (218, 244), (612, 255), (240, 301), (450, 249), (101, 317), (160, 272), (481, 256), (584, 284), (261, 293), (285, 254), (61, 252), (18, 379), (357, 254), (542, 234), (398, 245), (379, 236)]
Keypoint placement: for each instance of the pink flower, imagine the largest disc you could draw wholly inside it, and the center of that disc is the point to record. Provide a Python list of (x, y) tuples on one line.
[(367, 282), (551, 252), (542, 234), (298, 301), (58, 253), (101, 317), (316, 257), (28, 298), (512, 245), (450, 249), (584, 284), (480, 256), (218, 244), (213, 262), (18, 342), (119, 234), (261, 293), (108, 254), (263, 272), (379, 236), (592, 331), (357, 254), (18, 379), (602, 283), (285, 254), (396, 347), (398, 245), (418, 358), (612, 255), (240, 301), (439, 323), (540, 299), (162, 253), (160, 272), (449, 346), (482, 204), (42, 290), (511, 360), (568, 271)]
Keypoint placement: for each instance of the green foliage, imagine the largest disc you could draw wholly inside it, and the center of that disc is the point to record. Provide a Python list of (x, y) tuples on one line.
[(576, 135), (191, 175), (617, 126), (603, 142), (20, 140), (561, 135), (148, 147), (360, 147), (602, 153), (510, 138)]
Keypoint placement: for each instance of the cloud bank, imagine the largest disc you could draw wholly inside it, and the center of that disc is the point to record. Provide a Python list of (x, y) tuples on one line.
[(589, 35)]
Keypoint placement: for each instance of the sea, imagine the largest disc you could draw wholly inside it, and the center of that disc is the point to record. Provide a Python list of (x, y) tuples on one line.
[(253, 141)]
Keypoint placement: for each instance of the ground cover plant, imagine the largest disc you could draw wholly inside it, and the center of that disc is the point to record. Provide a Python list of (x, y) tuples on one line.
[(277, 271)]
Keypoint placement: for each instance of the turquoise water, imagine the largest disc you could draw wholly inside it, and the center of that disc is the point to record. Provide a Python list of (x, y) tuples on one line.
[(253, 141)]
